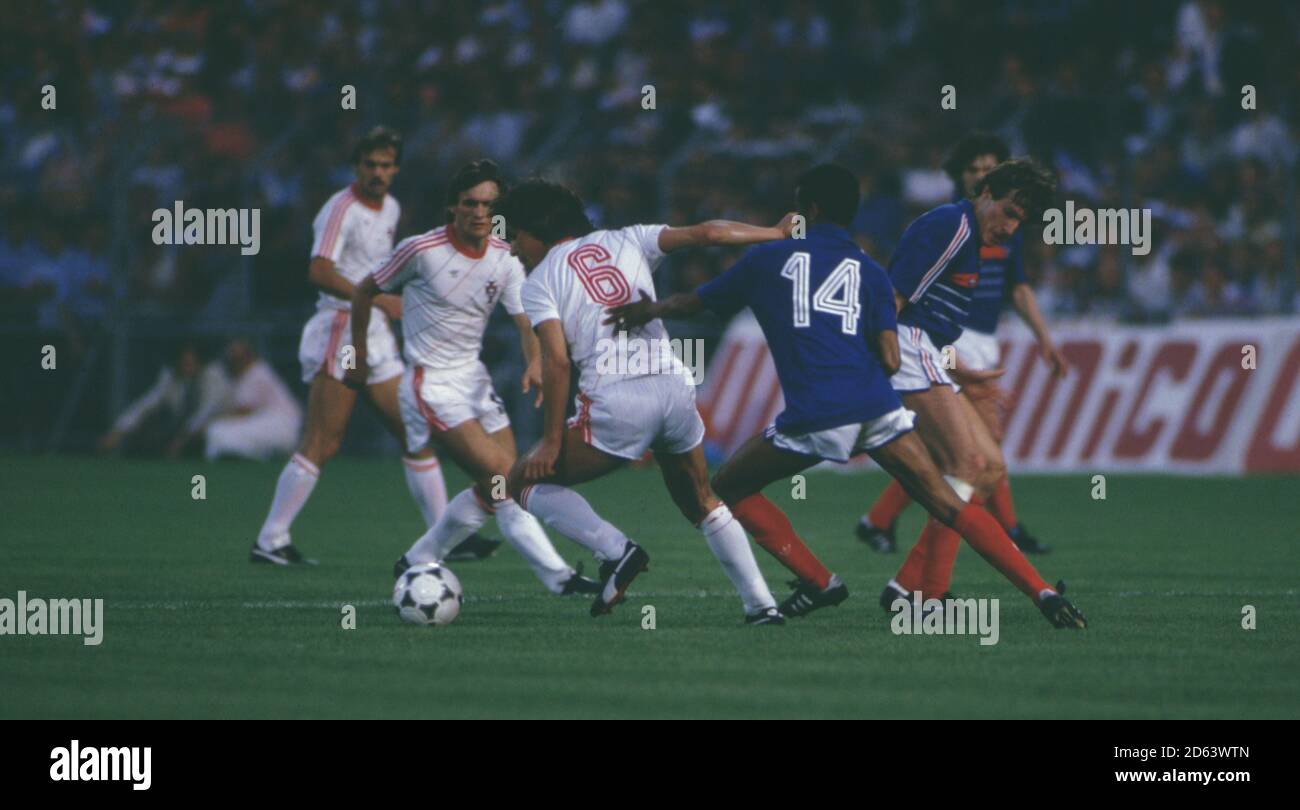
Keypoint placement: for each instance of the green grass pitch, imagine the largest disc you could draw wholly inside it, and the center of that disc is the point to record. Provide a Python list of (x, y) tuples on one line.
[(1162, 568)]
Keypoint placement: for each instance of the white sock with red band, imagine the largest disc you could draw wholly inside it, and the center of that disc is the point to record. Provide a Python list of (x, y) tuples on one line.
[(297, 480), (727, 540), (424, 480), (462, 518), (568, 513)]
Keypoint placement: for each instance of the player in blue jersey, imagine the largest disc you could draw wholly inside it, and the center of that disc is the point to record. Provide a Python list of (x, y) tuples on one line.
[(828, 313), (935, 270), (1001, 280)]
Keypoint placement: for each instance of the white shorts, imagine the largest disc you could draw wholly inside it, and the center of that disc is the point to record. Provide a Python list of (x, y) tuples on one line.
[(978, 351), (256, 436), (920, 365), (846, 441), (437, 400), (328, 335), (628, 417)]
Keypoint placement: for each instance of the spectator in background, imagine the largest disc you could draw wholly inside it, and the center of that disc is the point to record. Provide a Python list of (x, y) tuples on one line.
[(259, 419), (184, 394)]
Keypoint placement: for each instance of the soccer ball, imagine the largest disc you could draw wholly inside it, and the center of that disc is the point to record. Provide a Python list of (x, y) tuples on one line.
[(427, 594)]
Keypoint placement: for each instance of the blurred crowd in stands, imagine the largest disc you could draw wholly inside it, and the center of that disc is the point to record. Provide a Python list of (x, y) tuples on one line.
[(1134, 104)]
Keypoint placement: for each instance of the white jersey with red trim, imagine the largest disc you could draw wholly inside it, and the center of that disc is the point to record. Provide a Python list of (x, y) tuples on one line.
[(448, 292), (355, 236), (579, 280)]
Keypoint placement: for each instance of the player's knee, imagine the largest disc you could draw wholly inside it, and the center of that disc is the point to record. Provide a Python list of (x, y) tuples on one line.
[(994, 470), (971, 466)]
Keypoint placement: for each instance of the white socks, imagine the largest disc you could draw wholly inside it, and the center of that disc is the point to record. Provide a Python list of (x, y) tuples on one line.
[(462, 517), (727, 541), (465, 515), (424, 479), (568, 513), (292, 491), (524, 533)]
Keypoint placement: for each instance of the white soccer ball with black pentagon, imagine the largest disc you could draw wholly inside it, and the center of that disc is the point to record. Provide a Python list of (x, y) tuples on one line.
[(427, 594)]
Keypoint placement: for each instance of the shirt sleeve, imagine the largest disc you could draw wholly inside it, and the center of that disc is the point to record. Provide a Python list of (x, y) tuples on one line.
[(538, 300), (514, 284), (327, 229), (927, 246), (646, 238), (399, 267), (729, 293)]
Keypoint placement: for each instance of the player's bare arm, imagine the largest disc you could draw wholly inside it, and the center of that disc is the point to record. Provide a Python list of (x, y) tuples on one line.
[(643, 311), (540, 461), (1026, 304), (324, 277), (717, 232), (532, 357), (363, 296)]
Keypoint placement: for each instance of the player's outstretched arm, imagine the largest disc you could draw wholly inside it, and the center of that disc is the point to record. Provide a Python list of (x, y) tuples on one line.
[(363, 296), (723, 232), (1026, 304), (639, 313)]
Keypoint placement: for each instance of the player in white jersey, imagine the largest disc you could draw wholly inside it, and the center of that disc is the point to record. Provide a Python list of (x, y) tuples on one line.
[(623, 408), (450, 280), (353, 232)]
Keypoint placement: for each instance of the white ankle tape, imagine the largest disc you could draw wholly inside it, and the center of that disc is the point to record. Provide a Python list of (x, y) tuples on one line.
[(963, 489)]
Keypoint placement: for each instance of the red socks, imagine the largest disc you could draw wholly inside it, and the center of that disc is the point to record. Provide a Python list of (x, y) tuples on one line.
[(991, 541), (936, 577), (891, 503), (1001, 505), (928, 566), (771, 529)]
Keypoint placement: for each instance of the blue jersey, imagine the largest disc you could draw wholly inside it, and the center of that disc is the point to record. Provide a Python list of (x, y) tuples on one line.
[(821, 303), (935, 268), (1001, 269)]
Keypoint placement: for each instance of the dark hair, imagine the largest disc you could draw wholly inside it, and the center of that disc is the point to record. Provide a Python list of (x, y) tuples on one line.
[(380, 137), (835, 191), (547, 210), (1030, 186), (470, 175), (971, 147)]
